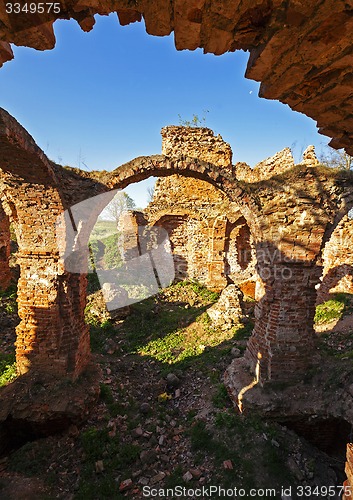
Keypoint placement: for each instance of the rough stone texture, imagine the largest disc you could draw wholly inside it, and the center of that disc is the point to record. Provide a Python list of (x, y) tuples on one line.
[(302, 54), (192, 210), (300, 51), (290, 216), (274, 165), (338, 261), (197, 142), (309, 157), (128, 227), (37, 404), (206, 244), (5, 271), (52, 336), (227, 311), (210, 239)]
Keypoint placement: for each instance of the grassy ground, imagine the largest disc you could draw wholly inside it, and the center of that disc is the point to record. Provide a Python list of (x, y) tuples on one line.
[(150, 432)]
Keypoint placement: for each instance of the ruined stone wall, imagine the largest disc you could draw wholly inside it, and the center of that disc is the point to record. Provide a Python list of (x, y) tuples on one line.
[(128, 227), (298, 209), (5, 271), (188, 209), (196, 142), (197, 216), (52, 336), (274, 165), (178, 226), (338, 262)]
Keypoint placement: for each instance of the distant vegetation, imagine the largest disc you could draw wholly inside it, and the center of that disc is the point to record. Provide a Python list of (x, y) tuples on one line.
[(104, 246), (336, 158)]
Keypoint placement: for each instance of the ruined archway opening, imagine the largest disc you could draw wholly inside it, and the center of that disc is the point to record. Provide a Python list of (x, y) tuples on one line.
[(337, 262), (175, 227), (239, 250)]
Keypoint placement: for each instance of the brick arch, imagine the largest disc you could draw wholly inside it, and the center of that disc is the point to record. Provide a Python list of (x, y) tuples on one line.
[(299, 53), (144, 167), (52, 336)]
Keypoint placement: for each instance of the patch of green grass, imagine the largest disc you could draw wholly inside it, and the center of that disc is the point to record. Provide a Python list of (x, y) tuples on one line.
[(115, 402), (163, 329), (112, 257), (332, 309), (10, 292), (100, 333), (103, 486), (221, 397), (93, 284), (203, 292), (94, 443), (106, 394), (103, 229), (201, 438), (243, 332), (117, 458), (7, 368), (170, 349), (228, 420), (8, 299)]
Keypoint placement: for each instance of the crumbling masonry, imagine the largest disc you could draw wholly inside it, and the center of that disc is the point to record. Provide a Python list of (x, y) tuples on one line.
[(285, 214), (302, 54), (290, 216)]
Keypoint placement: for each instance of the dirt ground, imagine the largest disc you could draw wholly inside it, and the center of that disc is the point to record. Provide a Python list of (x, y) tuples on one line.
[(163, 423)]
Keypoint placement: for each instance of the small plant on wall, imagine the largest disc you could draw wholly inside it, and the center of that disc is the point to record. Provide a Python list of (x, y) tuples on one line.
[(195, 121)]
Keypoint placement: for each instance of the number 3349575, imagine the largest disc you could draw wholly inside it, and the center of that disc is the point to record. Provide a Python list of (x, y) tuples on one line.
[(33, 8)]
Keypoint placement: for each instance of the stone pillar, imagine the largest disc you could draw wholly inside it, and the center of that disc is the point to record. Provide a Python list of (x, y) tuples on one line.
[(52, 336), (128, 225), (281, 345), (288, 265), (5, 271)]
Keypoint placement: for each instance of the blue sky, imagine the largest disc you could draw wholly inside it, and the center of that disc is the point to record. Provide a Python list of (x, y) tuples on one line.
[(100, 99)]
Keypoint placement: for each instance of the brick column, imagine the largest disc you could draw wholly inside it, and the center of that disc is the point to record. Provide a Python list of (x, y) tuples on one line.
[(283, 338), (5, 271), (52, 336), (129, 225)]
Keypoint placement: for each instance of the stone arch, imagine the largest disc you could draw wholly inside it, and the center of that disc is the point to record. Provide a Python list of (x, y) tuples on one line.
[(282, 227), (52, 336), (160, 166)]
